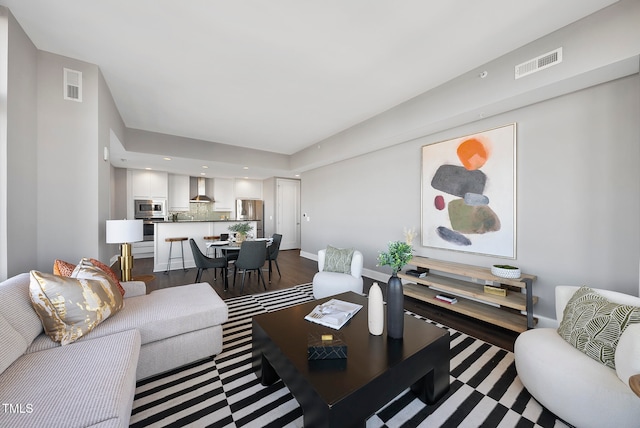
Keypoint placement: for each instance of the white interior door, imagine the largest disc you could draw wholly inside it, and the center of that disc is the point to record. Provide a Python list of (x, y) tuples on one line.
[(288, 213)]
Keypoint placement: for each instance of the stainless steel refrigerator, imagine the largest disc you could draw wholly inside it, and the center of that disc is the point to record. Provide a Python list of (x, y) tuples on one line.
[(251, 210)]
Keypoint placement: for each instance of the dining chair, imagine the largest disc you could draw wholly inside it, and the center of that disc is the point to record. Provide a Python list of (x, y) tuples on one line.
[(252, 256), (272, 253), (203, 263), (231, 254)]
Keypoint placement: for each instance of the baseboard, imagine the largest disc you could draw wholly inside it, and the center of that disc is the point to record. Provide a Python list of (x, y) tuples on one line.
[(376, 276), (310, 256), (544, 322)]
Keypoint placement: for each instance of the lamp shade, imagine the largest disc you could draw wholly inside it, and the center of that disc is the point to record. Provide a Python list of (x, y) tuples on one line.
[(124, 231)]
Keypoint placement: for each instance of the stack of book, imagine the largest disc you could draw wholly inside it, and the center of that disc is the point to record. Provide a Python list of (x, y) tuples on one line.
[(417, 273), (447, 298)]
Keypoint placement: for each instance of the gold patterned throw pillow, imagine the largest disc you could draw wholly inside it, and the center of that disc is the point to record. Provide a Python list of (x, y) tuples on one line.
[(62, 268), (108, 271), (593, 324), (70, 307)]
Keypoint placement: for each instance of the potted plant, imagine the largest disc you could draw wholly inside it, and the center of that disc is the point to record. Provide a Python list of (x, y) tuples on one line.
[(398, 255), (241, 230)]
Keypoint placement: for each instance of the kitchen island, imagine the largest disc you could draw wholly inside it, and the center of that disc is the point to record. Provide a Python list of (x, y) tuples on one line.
[(195, 229)]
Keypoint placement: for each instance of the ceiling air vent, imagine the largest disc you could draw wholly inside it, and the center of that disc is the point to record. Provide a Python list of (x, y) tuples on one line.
[(540, 63), (72, 85)]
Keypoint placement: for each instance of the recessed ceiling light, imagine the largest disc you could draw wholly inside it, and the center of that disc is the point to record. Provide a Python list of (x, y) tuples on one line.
[(205, 167), (297, 175), (246, 178), (203, 173), (167, 159), (245, 167), (148, 169)]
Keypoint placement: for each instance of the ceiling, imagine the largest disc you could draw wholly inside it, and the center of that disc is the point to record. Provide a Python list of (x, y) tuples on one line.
[(278, 75)]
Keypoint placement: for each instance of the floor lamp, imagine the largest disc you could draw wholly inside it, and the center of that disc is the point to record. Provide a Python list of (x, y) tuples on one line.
[(124, 232)]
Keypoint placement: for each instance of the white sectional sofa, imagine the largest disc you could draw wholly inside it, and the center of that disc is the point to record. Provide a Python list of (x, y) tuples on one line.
[(91, 382)]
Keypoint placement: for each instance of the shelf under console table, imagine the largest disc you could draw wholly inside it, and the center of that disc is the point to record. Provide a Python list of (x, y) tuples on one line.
[(513, 311)]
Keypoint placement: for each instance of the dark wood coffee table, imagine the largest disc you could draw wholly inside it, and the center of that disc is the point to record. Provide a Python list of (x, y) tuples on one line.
[(340, 393)]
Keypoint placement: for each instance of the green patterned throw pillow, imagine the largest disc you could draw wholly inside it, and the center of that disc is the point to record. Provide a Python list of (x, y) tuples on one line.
[(593, 324), (338, 259)]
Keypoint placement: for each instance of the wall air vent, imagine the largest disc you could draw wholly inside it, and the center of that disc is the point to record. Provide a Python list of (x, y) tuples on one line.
[(72, 85), (540, 63)]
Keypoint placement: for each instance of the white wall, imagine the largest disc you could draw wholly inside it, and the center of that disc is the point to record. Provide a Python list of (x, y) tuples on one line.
[(599, 48), (67, 162), (18, 134), (74, 180), (118, 193), (109, 122), (4, 143), (584, 109), (578, 188), (269, 198)]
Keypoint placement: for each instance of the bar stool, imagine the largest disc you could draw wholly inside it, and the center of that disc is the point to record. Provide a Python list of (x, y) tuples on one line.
[(171, 241), (211, 238)]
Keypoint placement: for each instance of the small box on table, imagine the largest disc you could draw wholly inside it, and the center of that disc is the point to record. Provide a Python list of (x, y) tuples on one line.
[(326, 346), (497, 291)]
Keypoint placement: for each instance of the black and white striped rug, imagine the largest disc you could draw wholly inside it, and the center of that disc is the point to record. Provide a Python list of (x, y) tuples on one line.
[(224, 392)]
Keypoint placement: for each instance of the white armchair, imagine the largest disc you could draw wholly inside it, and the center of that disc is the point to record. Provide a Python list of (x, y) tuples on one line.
[(330, 283), (577, 388)]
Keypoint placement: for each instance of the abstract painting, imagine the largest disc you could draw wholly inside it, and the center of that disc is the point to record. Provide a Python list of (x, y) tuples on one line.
[(469, 193)]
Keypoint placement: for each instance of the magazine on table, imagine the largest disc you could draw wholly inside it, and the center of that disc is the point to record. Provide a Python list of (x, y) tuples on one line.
[(333, 313)]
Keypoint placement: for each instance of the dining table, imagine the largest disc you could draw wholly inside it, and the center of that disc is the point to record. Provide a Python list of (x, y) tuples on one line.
[(229, 245)]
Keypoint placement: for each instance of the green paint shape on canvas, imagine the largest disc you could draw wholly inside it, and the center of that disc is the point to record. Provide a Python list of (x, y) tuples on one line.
[(472, 219)]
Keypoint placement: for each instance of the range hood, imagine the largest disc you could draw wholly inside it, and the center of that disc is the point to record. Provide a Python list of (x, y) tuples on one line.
[(201, 196)]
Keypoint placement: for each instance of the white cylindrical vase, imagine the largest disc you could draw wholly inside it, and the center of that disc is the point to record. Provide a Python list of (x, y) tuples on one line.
[(376, 310)]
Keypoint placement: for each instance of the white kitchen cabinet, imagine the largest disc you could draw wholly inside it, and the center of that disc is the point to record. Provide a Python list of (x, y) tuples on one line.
[(149, 184), (248, 189), (223, 190), (178, 192), (142, 250), (209, 189)]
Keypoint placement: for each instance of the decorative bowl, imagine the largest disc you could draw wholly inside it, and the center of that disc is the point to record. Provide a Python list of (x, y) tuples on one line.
[(506, 271)]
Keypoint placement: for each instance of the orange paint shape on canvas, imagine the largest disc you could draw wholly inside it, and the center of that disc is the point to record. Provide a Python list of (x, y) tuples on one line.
[(473, 154)]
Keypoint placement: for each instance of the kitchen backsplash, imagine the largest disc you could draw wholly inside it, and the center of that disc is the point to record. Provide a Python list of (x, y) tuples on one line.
[(201, 212)]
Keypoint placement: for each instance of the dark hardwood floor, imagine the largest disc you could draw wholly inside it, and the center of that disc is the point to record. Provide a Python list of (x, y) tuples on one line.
[(299, 270), (295, 270)]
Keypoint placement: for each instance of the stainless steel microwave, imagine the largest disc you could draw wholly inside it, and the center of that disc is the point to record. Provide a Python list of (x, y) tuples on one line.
[(147, 208)]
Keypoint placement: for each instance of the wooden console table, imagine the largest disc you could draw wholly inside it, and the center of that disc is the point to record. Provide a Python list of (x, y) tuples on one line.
[(513, 311)]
